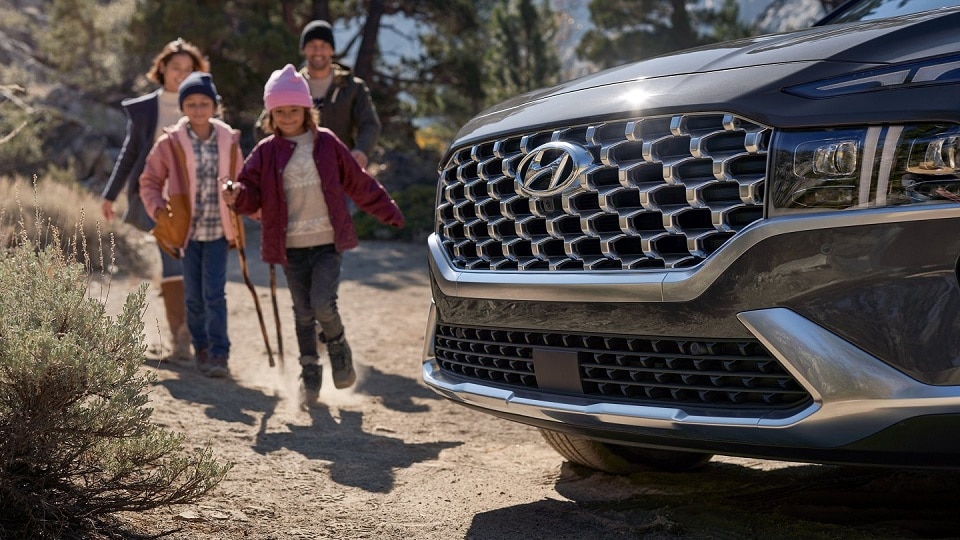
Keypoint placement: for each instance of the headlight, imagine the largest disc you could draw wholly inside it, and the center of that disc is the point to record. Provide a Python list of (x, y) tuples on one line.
[(864, 167)]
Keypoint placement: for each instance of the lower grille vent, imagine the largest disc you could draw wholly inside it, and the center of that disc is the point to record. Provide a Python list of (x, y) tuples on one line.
[(640, 370)]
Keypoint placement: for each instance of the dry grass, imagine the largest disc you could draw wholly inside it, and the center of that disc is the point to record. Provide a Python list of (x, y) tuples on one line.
[(43, 209)]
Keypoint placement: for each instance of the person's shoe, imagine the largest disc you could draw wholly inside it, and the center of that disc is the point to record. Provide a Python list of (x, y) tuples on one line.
[(202, 360), (341, 360), (312, 376), (218, 367)]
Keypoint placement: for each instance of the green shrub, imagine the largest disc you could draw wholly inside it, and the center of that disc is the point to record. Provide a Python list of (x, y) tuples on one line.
[(76, 441), (23, 134), (418, 205)]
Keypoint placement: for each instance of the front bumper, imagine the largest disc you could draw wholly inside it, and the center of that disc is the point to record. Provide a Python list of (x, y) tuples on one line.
[(856, 396), (815, 293)]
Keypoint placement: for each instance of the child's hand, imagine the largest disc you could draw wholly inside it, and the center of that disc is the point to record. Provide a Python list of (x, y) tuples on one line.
[(230, 192), (396, 221)]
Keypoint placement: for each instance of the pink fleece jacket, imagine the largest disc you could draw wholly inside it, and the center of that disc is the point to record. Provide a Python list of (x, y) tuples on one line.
[(163, 169)]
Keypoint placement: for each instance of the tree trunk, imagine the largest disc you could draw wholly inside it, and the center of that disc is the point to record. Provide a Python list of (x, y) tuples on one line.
[(682, 34), (320, 9), (368, 45), (287, 7)]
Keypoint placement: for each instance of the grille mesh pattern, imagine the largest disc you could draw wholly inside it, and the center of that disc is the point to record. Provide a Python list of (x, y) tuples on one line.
[(707, 373), (661, 192)]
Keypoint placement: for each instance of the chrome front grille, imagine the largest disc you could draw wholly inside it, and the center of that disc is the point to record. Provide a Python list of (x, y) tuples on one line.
[(706, 373), (661, 192)]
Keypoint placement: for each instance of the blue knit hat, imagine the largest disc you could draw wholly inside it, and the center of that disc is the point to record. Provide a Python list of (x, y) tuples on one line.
[(198, 82)]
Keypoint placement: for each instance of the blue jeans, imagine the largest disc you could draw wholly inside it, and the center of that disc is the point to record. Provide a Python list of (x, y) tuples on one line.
[(169, 267), (313, 275), (205, 281)]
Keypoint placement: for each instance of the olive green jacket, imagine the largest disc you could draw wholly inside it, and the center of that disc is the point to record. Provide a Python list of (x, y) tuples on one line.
[(348, 110)]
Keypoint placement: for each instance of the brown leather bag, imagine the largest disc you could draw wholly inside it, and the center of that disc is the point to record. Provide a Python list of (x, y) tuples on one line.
[(173, 223)]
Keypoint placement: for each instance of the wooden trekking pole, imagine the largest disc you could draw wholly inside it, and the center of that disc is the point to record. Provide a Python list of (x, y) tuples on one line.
[(276, 312), (241, 240)]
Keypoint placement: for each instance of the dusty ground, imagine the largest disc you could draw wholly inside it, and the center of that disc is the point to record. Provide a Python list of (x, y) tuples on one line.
[(390, 459)]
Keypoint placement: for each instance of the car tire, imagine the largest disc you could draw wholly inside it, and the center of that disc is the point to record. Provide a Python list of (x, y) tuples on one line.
[(621, 459)]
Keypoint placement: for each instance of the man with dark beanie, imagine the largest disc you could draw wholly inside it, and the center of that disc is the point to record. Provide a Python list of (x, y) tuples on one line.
[(342, 100)]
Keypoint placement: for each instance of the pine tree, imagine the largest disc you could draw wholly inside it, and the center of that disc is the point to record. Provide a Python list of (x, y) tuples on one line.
[(629, 30), (524, 58), (81, 42)]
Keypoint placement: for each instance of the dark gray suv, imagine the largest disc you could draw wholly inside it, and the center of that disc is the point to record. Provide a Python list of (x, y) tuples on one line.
[(746, 249)]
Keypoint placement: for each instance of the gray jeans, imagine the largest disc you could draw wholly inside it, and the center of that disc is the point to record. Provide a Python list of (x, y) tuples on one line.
[(313, 275)]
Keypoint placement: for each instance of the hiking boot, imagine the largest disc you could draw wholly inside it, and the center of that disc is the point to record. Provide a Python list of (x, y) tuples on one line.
[(218, 367), (312, 375), (341, 360), (202, 360)]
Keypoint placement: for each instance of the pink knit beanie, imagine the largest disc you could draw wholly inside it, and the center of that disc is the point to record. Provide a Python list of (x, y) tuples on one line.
[(286, 87)]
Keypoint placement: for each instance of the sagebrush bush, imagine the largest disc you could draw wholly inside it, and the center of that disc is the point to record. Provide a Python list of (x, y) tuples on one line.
[(76, 441)]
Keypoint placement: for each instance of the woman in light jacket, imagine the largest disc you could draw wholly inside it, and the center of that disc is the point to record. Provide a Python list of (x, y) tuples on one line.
[(146, 117)]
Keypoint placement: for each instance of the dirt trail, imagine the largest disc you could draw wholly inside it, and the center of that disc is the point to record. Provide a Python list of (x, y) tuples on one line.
[(390, 459)]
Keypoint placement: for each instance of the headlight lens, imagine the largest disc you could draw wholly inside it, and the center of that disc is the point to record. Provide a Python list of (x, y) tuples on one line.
[(937, 156), (864, 167)]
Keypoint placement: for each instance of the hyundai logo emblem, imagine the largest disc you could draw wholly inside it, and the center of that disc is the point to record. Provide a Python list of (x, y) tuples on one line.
[(551, 168)]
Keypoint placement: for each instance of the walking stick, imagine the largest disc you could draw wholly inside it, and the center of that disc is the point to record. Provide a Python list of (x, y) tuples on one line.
[(238, 226), (276, 312)]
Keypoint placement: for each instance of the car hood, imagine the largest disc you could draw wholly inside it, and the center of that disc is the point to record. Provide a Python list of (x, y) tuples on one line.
[(763, 62)]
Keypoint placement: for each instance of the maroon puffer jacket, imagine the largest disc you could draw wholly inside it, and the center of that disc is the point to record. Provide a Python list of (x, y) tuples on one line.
[(341, 176)]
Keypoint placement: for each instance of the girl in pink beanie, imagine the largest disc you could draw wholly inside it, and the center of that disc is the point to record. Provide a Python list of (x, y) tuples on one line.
[(299, 178), (286, 87)]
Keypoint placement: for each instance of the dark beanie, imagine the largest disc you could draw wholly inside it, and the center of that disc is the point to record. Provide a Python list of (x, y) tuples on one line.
[(317, 30), (198, 82)]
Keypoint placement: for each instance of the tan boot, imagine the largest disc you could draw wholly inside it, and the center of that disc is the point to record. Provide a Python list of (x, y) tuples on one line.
[(181, 343), (174, 302)]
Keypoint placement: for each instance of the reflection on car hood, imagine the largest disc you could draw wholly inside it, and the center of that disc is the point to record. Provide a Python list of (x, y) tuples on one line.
[(854, 45)]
